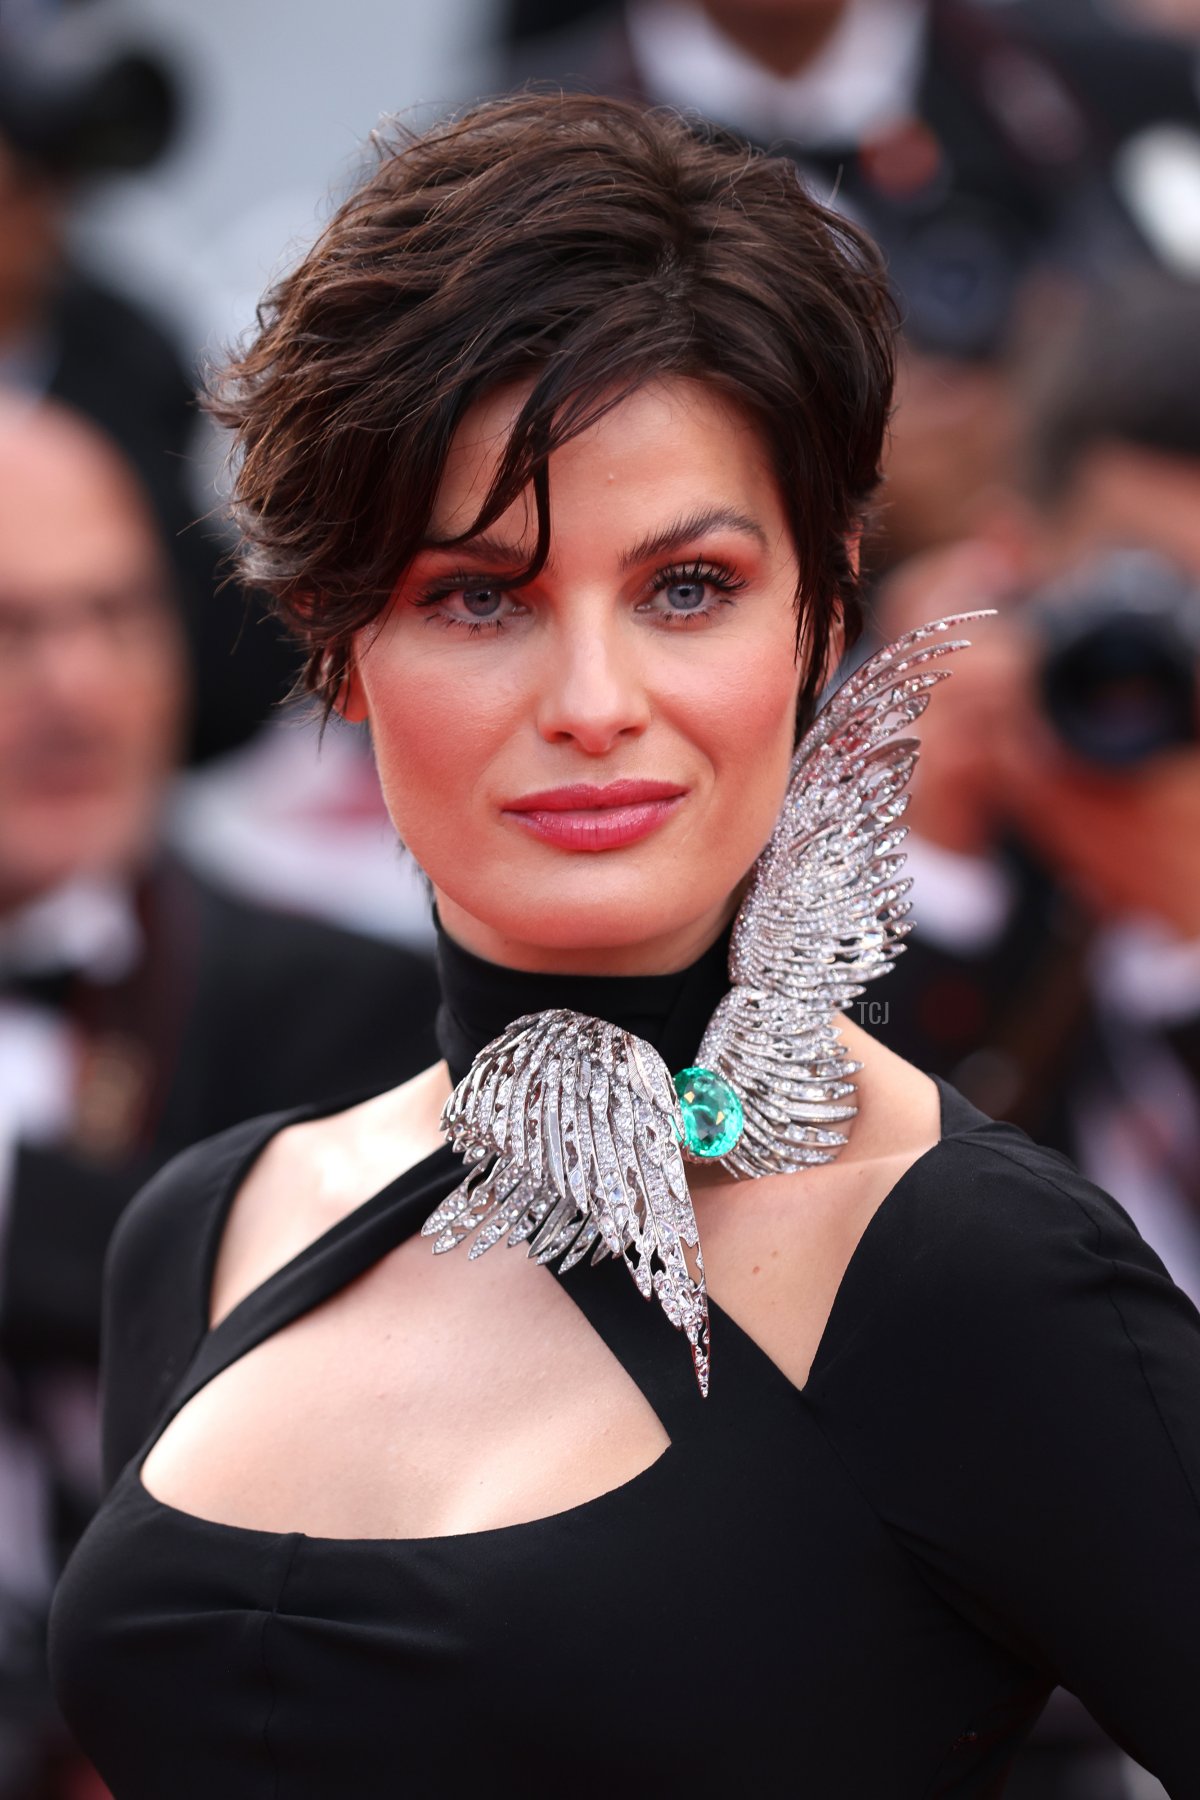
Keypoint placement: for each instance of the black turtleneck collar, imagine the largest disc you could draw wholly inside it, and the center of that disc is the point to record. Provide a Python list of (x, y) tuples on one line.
[(480, 998)]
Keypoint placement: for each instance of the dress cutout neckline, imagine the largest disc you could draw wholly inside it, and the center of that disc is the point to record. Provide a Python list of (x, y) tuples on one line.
[(252, 1318)]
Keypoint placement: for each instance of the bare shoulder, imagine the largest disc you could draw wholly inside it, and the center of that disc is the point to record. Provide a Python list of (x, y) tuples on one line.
[(313, 1172)]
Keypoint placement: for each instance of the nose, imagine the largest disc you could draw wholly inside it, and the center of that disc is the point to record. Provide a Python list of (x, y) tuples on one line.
[(592, 690)]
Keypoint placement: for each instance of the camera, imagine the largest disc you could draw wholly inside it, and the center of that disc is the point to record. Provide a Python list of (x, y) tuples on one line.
[(1119, 651)]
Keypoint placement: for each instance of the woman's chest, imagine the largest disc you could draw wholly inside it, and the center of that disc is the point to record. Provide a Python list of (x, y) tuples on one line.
[(428, 1396), (736, 1611), (439, 1395)]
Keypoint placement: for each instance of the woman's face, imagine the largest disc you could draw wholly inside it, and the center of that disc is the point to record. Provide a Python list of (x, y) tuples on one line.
[(587, 767)]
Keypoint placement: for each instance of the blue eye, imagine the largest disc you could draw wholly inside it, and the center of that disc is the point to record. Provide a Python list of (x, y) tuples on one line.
[(482, 602), (470, 604), (686, 596), (695, 592)]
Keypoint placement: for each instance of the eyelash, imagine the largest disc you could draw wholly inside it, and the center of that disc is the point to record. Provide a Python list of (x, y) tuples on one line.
[(713, 575)]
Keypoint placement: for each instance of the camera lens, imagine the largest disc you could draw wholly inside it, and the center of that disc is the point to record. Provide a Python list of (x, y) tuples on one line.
[(1118, 668)]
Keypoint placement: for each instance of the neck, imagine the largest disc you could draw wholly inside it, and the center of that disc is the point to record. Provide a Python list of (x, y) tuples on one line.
[(783, 43), (481, 998)]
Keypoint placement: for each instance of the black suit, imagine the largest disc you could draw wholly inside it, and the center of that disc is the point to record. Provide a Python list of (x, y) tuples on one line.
[(234, 1010), (242, 1009)]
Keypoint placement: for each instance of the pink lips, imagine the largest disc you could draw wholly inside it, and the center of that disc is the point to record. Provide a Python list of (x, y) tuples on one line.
[(582, 817)]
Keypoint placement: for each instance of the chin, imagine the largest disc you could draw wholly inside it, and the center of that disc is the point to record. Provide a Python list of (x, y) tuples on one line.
[(591, 913), (601, 927), (668, 899)]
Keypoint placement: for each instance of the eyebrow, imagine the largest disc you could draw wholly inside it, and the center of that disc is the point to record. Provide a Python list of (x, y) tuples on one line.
[(695, 525), (485, 546), (504, 555)]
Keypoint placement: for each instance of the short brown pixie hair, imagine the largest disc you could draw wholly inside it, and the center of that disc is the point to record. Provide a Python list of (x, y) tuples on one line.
[(585, 246)]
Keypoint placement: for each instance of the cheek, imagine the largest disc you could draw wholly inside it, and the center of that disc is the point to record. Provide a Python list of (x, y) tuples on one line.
[(743, 715), (434, 732), (742, 721), (156, 725)]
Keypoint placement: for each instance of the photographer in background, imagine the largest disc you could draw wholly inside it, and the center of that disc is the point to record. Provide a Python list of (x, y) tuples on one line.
[(1055, 819), (978, 143), (76, 108), (141, 1008), (1053, 973)]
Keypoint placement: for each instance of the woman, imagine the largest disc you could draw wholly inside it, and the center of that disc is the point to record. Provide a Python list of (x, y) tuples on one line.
[(555, 451)]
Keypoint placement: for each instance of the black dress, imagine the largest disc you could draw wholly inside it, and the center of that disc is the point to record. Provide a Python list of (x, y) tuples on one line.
[(859, 1590)]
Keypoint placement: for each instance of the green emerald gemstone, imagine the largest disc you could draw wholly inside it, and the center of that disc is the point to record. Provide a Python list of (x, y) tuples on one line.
[(712, 1112)]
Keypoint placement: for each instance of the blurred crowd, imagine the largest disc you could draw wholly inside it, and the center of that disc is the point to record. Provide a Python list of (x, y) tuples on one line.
[(202, 918)]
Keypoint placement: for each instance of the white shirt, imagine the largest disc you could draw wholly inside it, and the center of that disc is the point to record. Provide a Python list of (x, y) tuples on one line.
[(862, 80), (88, 924)]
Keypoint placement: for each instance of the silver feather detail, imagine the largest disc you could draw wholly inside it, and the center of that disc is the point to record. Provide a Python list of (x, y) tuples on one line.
[(825, 910), (572, 1127)]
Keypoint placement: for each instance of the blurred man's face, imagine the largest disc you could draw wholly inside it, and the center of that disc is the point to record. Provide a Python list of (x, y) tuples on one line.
[(1122, 494), (1179, 17), (947, 456), (92, 682), (781, 34), (781, 10)]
